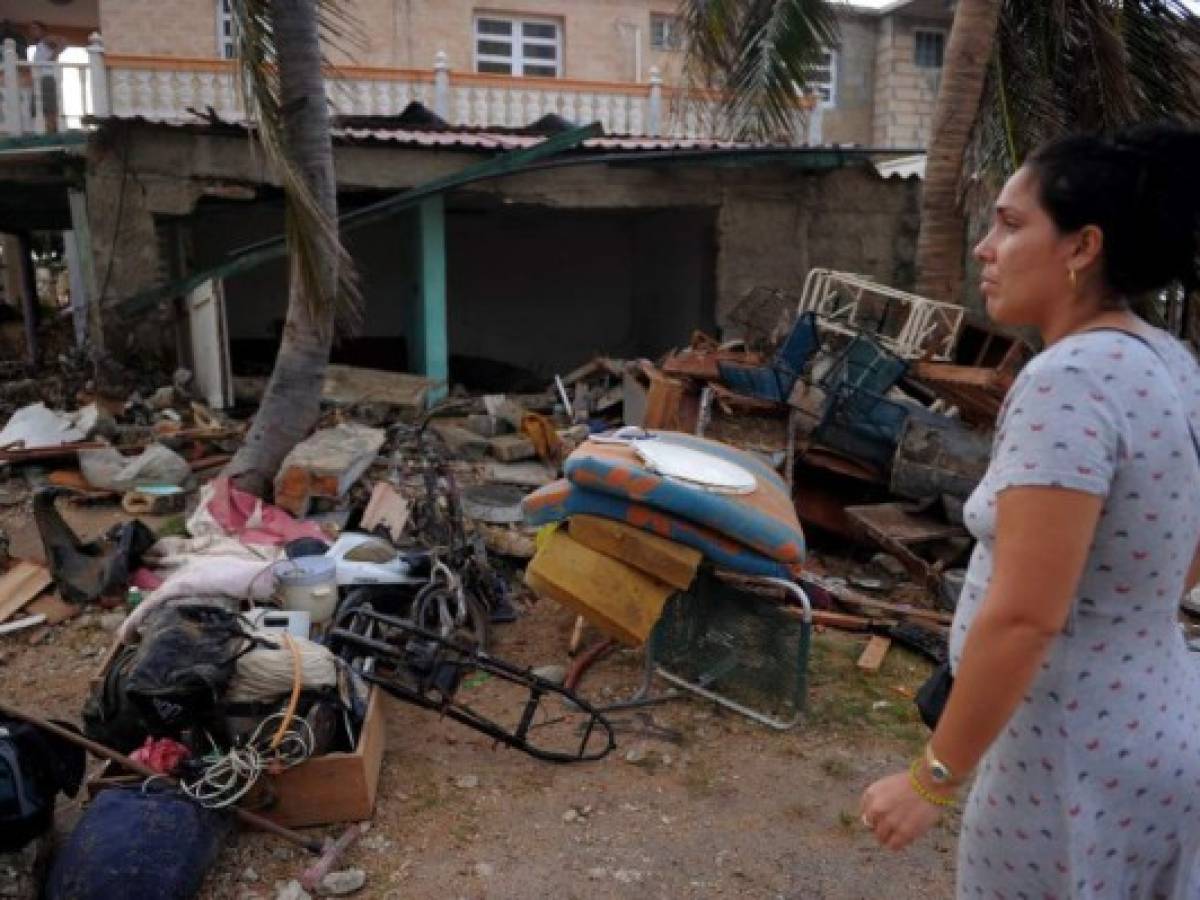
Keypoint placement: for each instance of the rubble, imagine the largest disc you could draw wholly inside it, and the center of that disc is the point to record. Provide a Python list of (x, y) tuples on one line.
[(325, 465)]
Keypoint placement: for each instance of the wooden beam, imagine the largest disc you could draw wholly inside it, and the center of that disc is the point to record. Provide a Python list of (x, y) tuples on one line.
[(874, 653)]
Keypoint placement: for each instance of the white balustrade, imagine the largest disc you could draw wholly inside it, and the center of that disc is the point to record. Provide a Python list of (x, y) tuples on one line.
[(128, 87)]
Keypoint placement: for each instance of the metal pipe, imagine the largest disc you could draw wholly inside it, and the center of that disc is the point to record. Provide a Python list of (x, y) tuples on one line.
[(252, 819)]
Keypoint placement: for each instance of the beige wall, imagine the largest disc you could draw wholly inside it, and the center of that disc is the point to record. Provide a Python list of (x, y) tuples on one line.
[(407, 33), (904, 94)]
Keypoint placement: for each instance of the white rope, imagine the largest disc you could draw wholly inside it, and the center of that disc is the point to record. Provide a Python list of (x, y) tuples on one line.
[(231, 775)]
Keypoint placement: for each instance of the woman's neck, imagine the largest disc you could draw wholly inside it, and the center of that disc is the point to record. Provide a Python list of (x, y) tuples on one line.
[(1086, 319)]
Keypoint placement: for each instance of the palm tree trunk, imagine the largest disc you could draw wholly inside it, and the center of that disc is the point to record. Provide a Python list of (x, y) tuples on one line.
[(291, 402), (941, 243)]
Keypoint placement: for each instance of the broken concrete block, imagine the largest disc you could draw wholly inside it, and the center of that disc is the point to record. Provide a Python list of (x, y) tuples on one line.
[(512, 448), (352, 386), (325, 465), (501, 407), (619, 600), (487, 426), (666, 560), (461, 442), (523, 474)]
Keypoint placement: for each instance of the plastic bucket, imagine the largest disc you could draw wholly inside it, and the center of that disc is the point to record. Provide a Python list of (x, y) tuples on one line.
[(307, 583)]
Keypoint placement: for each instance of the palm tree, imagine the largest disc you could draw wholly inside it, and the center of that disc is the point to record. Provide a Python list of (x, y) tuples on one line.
[(1033, 72), (280, 67), (1017, 73), (759, 54), (942, 236)]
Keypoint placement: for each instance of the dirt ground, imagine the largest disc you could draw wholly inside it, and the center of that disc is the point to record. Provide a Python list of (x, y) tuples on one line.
[(696, 801)]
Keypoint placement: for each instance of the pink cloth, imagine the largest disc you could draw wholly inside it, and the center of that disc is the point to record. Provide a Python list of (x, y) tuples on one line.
[(226, 510), (163, 755)]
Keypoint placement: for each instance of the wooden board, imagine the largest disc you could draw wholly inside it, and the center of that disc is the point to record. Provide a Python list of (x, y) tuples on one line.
[(337, 787), (54, 608), (19, 585), (618, 599), (873, 654), (658, 557)]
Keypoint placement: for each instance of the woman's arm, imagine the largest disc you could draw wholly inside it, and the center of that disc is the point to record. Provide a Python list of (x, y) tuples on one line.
[(1043, 535), (1193, 576)]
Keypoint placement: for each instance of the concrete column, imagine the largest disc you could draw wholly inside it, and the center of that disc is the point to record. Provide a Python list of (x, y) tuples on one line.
[(654, 117), (441, 85), (97, 76), (429, 338), (78, 244), (11, 89)]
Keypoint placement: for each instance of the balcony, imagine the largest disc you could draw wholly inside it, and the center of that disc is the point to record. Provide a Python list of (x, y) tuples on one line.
[(178, 90)]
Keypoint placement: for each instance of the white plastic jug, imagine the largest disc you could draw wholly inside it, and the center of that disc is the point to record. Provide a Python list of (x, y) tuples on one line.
[(307, 583)]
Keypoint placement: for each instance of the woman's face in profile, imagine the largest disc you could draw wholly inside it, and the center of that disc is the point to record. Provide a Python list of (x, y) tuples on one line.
[(1025, 276)]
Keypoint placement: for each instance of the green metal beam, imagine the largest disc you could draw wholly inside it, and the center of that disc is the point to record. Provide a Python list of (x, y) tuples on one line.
[(255, 255), (429, 338), (61, 140)]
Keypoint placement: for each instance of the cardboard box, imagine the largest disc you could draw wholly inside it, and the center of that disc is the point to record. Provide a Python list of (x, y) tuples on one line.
[(325, 790)]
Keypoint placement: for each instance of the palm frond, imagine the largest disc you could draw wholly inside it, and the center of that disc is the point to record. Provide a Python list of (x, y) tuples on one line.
[(1086, 65), (312, 233), (760, 54)]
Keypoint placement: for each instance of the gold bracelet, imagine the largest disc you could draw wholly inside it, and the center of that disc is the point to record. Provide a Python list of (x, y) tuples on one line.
[(923, 792)]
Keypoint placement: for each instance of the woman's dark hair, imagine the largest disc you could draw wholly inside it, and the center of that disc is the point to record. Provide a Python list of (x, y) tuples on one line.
[(1141, 188)]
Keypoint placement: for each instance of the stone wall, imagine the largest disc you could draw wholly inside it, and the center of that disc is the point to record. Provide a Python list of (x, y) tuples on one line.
[(738, 228)]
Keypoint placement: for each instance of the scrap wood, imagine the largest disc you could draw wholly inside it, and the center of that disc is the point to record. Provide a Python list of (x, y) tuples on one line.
[(873, 654), (665, 560), (63, 451), (20, 585)]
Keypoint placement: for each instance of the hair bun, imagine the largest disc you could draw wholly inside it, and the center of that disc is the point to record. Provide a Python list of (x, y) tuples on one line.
[(1141, 187)]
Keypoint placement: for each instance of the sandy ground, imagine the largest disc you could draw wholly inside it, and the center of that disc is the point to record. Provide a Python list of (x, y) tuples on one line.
[(715, 806)]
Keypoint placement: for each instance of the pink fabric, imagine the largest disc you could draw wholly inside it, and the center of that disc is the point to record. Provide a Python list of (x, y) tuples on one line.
[(145, 580), (163, 755), (249, 519)]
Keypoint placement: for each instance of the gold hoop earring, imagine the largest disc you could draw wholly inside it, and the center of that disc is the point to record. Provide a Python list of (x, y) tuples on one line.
[(1074, 279)]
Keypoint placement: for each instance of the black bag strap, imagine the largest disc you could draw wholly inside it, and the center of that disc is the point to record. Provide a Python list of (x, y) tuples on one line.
[(1187, 416)]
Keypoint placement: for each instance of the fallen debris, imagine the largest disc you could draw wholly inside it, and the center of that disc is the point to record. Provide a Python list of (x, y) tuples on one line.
[(325, 466), (387, 510), (874, 653), (20, 585)]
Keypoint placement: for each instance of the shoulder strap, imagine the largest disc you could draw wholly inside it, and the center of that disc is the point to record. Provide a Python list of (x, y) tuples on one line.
[(1187, 417)]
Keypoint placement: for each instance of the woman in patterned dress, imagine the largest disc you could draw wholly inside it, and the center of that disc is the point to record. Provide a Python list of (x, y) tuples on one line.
[(1076, 704)]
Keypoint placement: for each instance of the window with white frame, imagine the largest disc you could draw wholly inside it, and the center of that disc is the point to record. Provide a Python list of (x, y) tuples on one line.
[(929, 49), (666, 32), (505, 45), (822, 78), (226, 40)]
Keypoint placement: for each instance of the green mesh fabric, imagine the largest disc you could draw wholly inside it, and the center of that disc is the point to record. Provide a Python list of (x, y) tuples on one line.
[(743, 646)]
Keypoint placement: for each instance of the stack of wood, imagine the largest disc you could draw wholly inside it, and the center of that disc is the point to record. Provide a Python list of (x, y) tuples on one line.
[(615, 576)]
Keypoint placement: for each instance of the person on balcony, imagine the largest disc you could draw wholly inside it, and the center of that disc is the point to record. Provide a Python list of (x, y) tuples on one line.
[(10, 31), (43, 52)]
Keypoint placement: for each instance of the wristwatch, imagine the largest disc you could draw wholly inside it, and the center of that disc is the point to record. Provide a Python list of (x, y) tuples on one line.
[(939, 772)]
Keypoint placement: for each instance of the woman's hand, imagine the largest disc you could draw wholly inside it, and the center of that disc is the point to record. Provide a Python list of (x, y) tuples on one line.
[(896, 813)]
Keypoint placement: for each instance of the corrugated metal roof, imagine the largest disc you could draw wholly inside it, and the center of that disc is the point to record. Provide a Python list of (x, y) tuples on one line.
[(491, 139)]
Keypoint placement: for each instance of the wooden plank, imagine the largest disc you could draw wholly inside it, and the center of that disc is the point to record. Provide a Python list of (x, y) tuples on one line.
[(874, 653), (19, 585), (663, 404), (618, 599), (658, 557)]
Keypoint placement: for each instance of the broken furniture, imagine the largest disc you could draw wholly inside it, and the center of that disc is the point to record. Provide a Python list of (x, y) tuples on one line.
[(741, 642), (906, 535), (912, 326)]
